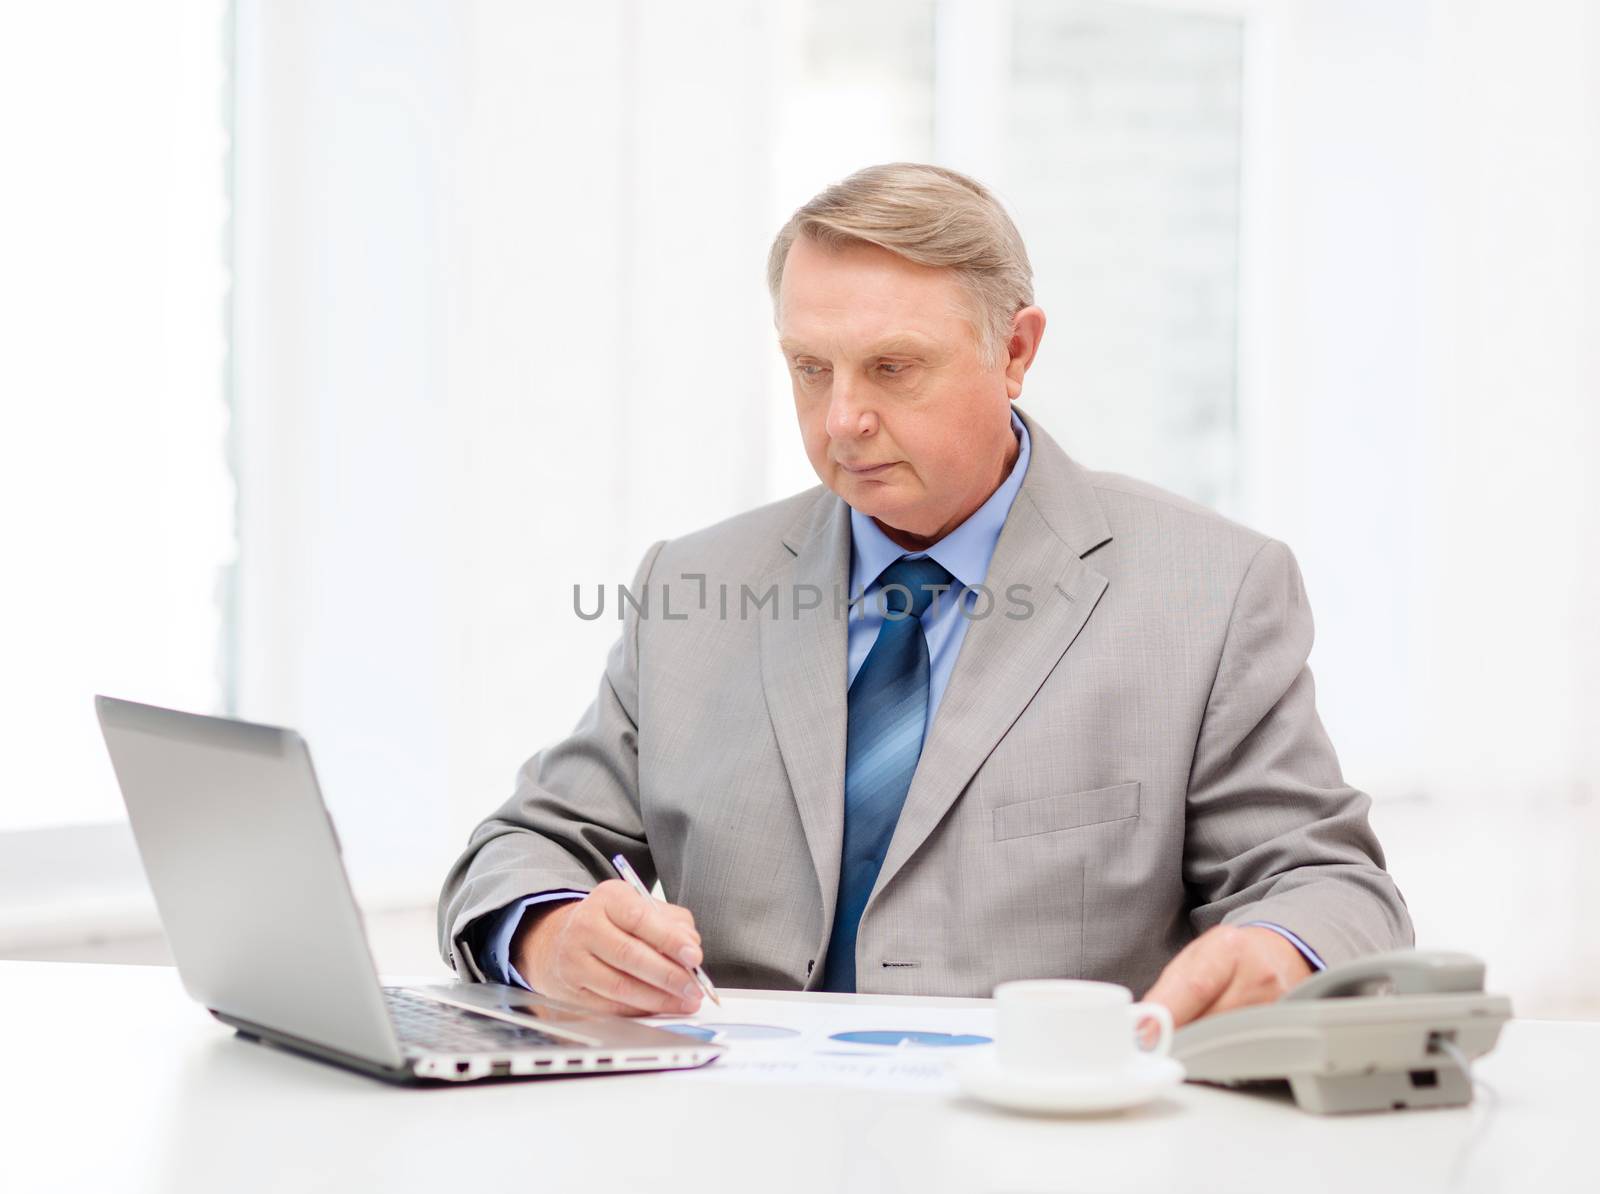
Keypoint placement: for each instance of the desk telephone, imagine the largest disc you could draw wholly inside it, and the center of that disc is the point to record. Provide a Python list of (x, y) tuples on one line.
[(1387, 1031)]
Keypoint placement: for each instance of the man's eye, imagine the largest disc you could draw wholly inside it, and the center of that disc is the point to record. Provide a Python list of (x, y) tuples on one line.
[(812, 370), (892, 368)]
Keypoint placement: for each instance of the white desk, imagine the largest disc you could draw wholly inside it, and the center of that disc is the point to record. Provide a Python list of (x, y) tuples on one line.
[(174, 1103)]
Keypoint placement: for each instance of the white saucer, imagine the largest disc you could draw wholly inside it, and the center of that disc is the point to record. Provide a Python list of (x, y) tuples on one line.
[(1142, 1079)]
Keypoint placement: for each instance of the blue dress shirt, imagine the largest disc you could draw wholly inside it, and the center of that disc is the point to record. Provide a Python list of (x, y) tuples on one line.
[(965, 553)]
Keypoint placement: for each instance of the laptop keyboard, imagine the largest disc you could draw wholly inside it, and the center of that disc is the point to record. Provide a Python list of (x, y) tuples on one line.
[(440, 1028)]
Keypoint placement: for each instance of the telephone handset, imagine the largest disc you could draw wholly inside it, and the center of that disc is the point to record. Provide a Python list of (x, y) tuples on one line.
[(1378, 1033), (1403, 972)]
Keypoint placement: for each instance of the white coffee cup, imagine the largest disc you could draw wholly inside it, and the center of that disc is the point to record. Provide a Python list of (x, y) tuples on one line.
[(1068, 1026)]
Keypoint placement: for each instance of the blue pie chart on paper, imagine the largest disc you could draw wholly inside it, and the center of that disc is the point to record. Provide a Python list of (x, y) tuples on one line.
[(731, 1032), (690, 1030), (896, 1037)]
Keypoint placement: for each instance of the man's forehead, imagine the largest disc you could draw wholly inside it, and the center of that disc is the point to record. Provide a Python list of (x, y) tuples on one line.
[(861, 296), (869, 327)]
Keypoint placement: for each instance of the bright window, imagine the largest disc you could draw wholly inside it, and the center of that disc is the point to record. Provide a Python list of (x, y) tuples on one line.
[(116, 500)]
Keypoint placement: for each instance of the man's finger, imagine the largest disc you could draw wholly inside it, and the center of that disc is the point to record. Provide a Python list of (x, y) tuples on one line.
[(633, 955), (1267, 967), (647, 920), (1241, 992), (588, 1000), (639, 998), (683, 917), (1194, 979)]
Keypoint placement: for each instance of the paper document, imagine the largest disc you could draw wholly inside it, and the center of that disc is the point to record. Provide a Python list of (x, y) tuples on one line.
[(885, 1044)]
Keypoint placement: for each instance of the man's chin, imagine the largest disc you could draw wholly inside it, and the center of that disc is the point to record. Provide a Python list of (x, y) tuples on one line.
[(882, 508), (871, 498)]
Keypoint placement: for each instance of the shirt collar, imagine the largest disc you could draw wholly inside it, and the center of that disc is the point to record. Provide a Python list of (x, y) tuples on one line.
[(965, 552)]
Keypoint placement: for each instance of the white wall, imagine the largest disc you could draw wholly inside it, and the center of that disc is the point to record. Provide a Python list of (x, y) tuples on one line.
[(1421, 411), (348, 135), (115, 500), (611, 342), (502, 324)]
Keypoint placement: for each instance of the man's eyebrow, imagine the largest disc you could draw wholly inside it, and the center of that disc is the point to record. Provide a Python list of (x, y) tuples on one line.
[(899, 346), (893, 346)]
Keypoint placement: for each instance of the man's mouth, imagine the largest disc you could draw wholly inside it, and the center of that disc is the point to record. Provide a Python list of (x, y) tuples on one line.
[(867, 470)]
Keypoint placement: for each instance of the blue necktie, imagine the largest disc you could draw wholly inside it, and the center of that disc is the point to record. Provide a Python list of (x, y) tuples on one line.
[(888, 717)]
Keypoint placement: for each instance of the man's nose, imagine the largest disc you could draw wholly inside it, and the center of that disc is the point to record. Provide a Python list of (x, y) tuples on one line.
[(849, 415)]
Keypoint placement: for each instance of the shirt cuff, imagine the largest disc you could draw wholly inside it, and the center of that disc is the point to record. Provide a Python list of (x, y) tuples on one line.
[(494, 937), (1309, 954)]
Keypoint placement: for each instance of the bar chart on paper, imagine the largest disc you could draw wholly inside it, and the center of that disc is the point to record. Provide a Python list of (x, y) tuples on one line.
[(834, 1043)]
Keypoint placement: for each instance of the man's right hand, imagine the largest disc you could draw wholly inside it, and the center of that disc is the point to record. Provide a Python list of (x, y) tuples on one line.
[(613, 951)]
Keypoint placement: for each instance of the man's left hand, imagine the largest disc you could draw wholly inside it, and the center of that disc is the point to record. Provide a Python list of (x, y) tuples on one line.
[(1226, 967)]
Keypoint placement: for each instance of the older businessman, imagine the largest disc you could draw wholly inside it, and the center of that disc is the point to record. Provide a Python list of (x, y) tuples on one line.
[(966, 712)]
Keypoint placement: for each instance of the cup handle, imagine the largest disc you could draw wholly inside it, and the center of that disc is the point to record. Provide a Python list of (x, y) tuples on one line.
[(1163, 1018)]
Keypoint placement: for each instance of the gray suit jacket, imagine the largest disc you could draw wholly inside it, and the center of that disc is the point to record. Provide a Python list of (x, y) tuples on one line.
[(1133, 761)]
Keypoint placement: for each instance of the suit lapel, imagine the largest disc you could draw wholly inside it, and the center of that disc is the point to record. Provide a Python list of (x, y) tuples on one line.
[(803, 669), (1054, 521)]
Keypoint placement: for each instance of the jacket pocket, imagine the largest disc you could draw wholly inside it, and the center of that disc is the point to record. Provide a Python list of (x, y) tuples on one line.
[(1070, 810)]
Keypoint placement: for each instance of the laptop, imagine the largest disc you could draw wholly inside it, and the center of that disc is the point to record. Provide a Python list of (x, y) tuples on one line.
[(247, 875)]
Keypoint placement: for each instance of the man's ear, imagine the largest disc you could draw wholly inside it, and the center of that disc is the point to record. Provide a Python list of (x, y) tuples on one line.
[(1027, 329)]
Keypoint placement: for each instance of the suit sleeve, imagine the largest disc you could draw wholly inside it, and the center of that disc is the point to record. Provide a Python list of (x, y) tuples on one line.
[(1273, 832), (575, 805)]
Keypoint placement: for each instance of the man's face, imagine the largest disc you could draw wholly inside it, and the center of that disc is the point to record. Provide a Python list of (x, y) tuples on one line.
[(900, 416)]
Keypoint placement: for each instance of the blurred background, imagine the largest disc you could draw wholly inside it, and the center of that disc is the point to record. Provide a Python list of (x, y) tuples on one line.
[(338, 342)]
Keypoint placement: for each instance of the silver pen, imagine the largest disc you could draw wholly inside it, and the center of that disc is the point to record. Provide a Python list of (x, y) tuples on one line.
[(631, 878)]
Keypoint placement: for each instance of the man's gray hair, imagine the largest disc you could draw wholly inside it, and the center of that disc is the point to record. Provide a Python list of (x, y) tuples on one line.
[(934, 217)]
